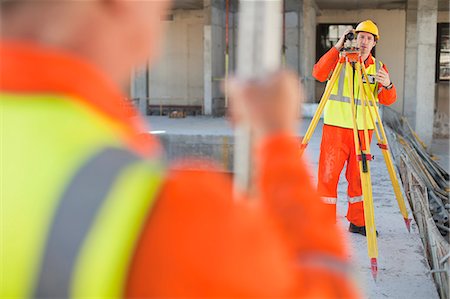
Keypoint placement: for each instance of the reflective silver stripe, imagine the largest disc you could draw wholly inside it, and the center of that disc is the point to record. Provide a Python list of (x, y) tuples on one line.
[(340, 95), (73, 218), (354, 199), (341, 81), (326, 262), (329, 200), (343, 99), (379, 90)]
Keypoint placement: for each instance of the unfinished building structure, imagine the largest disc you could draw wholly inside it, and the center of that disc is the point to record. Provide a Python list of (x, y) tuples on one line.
[(200, 49)]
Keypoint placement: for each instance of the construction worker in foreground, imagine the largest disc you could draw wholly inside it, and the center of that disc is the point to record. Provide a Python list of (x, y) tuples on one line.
[(337, 146), (90, 210)]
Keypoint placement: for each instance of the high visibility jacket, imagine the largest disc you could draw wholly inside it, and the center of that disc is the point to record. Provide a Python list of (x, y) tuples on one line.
[(74, 194), (79, 222), (336, 114), (337, 111)]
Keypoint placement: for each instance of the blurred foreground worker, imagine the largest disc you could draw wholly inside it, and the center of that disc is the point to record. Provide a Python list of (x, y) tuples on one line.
[(89, 210), (338, 146)]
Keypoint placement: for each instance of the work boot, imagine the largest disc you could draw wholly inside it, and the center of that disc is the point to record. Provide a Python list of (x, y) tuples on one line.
[(358, 229)]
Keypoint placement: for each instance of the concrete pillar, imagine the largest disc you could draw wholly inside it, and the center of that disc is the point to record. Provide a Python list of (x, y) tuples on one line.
[(410, 83), (213, 56), (292, 36), (307, 46), (139, 88), (426, 64), (207, 69)]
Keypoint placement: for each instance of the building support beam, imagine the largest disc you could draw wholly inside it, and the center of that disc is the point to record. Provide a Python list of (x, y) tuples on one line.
[(292, 36), (307, 46), (213, 56), (139, 88), (426, 65), (410, 83), (207, 70)]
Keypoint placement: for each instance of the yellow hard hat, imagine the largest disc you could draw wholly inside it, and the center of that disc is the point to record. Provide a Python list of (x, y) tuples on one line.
[(368, 26)]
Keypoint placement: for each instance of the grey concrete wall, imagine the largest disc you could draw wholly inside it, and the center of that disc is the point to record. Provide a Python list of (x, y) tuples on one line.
[(410, 79), (441, 119), (213, 56), (426, 64), (443, 97), (234, 18), (443, 17), (301, 43), (292, 41), (391, 46), (177, 78), (410, 95), (307, 47), (138, 88)]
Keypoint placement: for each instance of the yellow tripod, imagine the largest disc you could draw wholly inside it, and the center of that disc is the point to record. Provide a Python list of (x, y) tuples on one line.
[(351, 56)]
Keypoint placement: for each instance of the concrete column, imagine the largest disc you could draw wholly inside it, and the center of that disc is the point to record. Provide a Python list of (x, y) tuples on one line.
[(307, 46), (213, 57), (409, 95), (139, 88), (426, 64), (207, 70), (292, 36)]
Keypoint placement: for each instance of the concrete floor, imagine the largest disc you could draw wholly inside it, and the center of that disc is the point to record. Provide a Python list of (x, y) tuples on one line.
[(403, 269)]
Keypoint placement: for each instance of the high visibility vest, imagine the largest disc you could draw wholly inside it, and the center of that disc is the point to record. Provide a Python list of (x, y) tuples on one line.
[(73, 200), (337, 111)]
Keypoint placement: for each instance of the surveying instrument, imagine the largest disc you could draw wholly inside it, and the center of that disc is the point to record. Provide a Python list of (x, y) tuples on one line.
[(350, 56)]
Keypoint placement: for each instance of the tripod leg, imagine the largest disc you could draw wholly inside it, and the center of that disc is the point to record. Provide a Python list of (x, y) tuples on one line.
[(323, 101), (364, 167), (383, 144)]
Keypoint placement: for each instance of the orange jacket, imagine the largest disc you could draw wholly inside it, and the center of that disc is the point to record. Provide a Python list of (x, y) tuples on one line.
[(197, 241), (324, 67)]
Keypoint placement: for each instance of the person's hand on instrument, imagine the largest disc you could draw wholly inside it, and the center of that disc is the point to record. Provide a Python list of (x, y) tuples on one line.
[(383, 78), (269, 106), (341, 41)]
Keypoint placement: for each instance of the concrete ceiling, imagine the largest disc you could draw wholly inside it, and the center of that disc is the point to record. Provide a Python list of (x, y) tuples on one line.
[(325, 4), (364, 4), (187, 4), (443, 5)]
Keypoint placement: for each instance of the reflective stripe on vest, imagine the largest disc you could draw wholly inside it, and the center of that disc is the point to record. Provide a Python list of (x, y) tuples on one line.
[(77, 211), (59, 240), (337, 111)]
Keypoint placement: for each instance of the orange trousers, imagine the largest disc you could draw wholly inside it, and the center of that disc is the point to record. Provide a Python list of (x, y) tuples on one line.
[(336, 149)]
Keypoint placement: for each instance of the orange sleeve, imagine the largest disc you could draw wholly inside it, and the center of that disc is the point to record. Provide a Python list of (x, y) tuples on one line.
[(198, 242), (324, 67), (287, 190), (387, 96), (302, 216)]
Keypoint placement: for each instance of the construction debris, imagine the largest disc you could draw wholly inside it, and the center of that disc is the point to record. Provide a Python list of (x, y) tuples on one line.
[(426, 185), (177, 114)]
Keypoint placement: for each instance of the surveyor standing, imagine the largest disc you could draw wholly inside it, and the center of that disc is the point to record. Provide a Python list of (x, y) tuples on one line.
[(337, 146), (89, 210)]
